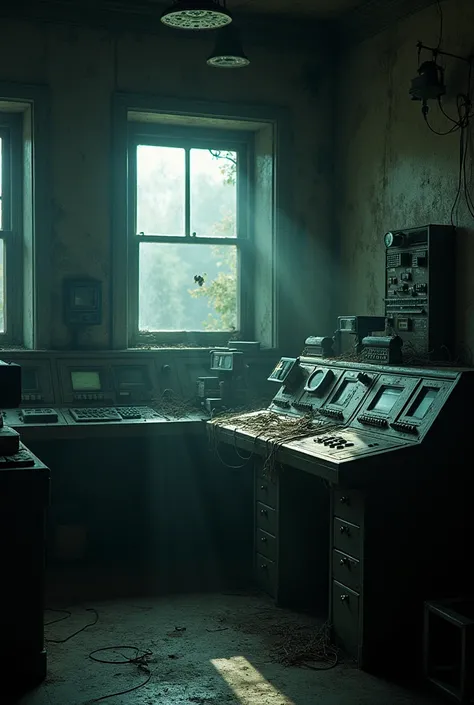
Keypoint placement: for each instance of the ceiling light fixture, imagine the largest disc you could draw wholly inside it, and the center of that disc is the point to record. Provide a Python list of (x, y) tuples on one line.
[(228, 51), (196, 15)]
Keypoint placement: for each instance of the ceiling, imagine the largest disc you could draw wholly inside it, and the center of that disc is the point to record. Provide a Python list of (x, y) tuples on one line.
[(295, 8), (263, 20)]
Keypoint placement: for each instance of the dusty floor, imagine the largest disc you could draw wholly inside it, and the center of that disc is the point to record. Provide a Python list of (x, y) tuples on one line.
[(206, 650)]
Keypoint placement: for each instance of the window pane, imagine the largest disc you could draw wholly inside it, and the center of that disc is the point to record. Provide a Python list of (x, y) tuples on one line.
[(1, 186), (170, 299), (213, 193), (160, 190), (2, 287)]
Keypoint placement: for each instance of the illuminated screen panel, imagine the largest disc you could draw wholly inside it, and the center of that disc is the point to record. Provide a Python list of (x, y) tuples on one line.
[(84, 297), (131, 376), (386, 399), (29, 379), (85, 381), (221, 361), (344, 393), (423, 402)]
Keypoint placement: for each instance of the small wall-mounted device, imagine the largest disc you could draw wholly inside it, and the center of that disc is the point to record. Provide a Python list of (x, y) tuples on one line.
[(82, 302)]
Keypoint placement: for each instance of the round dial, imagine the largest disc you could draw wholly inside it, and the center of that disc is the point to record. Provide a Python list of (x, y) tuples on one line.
[(318, 381), (393, 239), (388, 239)]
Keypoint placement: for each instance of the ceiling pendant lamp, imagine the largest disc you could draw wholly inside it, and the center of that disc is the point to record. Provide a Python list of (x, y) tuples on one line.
[(196, 15), (228, 52)]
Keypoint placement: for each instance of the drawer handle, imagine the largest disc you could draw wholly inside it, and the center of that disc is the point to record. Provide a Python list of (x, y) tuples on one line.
[(344, 598), (264, 488), (345, 500), (264, 566), (343, 561), (263, 539), (263, 512), (345, 530)]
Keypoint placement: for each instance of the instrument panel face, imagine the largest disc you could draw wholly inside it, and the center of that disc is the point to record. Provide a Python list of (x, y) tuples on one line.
[(385, 402), (85, 381), (36, 381), (347, 395), (319, 381), (423, 407)]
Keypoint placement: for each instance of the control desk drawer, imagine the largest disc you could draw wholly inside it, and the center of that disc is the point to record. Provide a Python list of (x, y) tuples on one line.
[(346, 537), (349, 505), (346, 570), (266, 544), (266, 491), (345, 617), (266, 574), (266, 518)]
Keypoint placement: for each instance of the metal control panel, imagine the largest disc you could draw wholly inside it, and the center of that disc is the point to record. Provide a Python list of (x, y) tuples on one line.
[(419, 289), (373, 411), (116, 388)]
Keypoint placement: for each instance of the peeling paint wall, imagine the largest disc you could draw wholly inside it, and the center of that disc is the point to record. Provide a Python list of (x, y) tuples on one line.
[(84, 66), (392, 171)]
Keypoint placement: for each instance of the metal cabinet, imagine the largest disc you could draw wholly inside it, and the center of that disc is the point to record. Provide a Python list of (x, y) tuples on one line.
[(291, 537)]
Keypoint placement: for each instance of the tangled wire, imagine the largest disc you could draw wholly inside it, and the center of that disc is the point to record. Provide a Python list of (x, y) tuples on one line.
[(274, 429), (172, 406)]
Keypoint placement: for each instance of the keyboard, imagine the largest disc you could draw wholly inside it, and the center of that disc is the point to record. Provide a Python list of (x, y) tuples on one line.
[(91, 415)]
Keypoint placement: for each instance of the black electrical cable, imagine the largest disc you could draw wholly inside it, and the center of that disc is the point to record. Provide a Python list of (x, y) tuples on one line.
[(441, 21), (66, 614), (440, 104), (460, 174), (139, 659), (436, 132), (82, 629)]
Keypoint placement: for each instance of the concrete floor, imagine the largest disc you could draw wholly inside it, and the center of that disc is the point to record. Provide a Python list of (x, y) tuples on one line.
[(206, 650)]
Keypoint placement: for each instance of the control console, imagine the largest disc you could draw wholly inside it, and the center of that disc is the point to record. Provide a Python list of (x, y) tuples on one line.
[(362, 410)]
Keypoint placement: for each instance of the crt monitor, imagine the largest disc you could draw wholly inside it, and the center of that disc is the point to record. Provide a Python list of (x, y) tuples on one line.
[(29, 379), (86, 381), (82, 302), (385, 399), (130, 377), (344, 393), (423, 403)]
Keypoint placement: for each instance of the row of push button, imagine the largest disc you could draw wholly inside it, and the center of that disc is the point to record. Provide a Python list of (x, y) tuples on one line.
[(337, 442)]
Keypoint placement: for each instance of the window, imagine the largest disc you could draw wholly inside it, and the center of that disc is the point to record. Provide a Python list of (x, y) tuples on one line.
[(188, 198), (11, 291)]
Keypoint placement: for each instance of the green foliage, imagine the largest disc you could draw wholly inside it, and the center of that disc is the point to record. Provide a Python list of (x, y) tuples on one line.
[(221, 293)]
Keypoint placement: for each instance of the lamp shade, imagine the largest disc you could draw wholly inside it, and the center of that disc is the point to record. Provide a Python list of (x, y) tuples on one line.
[(196, 15), (228, 52)]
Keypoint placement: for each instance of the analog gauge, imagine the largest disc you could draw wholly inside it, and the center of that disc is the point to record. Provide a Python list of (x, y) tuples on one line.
[(393, 239), (318, 381), (388, 239)]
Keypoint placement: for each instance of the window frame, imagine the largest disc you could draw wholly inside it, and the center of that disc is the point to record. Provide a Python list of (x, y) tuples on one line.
[(188, 138), (11, 230)]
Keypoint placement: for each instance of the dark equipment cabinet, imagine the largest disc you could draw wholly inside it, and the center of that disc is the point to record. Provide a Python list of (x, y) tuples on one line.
[(24, 493), (291, 536)]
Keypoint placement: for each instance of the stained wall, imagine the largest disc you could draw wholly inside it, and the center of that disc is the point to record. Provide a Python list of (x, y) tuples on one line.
[(392, 171)]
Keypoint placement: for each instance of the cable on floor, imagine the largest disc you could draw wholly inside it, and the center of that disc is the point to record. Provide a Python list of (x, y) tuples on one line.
[(140, 659), (66, 614), (82, 629)]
